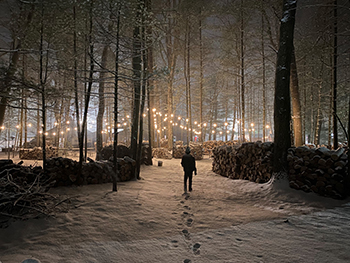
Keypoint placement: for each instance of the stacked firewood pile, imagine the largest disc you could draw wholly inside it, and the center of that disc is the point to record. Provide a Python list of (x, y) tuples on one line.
[(196, 151), (209, 146), (24, 193), (122, 151), (250, 161), (65, 171), (319, 170), (254, 162), (161, 153), (224, 160), (164, 143), (37, 154), (179, 152), (179, 143)]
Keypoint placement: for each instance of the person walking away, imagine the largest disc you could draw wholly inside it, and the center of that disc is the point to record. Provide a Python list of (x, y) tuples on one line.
[(189, 165)]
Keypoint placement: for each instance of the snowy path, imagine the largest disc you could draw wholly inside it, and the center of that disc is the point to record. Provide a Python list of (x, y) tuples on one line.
[(151, 220)]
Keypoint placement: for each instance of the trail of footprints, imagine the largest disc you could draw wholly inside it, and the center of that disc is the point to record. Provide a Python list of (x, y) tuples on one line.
[(188, 221)]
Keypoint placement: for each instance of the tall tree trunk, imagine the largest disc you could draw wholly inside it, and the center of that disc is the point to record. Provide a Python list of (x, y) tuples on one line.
[(242, 74), (101, 104), (149, 86), (335, 57), (91, 72), (143, 99), (201, 77), (116, 83), (189, 81), (297, 120), (76, 97), (10, 72), (21, 120), (25, 123), (215, 109), (136, 65), (186, 74), (42, 87), (38, 130), (171, 44), (282, 93), (330, 115), (263, 74), (347, 178), (318, 119)]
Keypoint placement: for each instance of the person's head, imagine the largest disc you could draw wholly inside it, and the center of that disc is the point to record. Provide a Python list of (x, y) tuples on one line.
[(188, 150)]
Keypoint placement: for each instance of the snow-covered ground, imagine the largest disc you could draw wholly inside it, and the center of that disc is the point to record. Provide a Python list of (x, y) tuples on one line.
[(151, 220)]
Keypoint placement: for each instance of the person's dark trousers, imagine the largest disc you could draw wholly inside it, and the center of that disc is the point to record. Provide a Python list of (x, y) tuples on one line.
[(188, 175)]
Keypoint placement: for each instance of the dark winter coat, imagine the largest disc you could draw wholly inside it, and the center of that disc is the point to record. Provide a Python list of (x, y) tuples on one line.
[(188, 163)]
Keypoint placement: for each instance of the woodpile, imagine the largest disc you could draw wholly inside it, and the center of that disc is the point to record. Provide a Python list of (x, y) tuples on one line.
[(196, 151), (64, 171), (24, 189), (179, 152), (161, 153), (209, 146), (37, 154), (224, 160), (164, 143), (24, 193), (251, 161), (179, 143), (318, 170), (122, 150), (254, 162)]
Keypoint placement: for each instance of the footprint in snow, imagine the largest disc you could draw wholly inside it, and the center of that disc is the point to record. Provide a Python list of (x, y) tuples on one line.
[(186, 234), (189, 222), (196, 249)]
